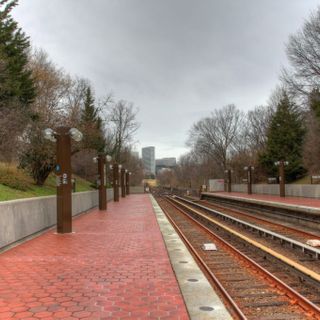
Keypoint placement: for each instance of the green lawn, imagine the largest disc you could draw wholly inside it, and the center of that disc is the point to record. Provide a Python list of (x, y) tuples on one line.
[(7, 193)]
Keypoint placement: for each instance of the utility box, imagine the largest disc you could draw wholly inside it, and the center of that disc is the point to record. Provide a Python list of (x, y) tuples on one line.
[(216, 185)]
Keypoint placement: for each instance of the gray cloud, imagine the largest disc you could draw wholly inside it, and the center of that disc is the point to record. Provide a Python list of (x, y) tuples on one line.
[(175, 59)]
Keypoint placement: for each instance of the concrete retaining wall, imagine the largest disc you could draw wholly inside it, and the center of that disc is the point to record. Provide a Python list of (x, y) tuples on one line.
[(24, 217), (293, 190)]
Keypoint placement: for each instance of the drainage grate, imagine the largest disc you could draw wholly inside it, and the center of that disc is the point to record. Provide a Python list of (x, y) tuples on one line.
[(193, 280), (205, 308)]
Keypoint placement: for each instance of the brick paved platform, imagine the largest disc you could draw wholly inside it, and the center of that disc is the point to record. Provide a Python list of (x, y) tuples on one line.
[(296, 201), (115, 266)]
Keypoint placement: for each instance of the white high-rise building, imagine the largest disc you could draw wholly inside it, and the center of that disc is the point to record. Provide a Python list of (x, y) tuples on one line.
[(148, 159)]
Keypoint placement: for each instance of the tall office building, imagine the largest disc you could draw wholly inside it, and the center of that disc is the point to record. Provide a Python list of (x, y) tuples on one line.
[(148, 160)]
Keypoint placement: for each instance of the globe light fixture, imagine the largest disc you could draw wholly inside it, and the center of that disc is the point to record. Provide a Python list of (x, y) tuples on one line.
[(50, 135), (75, 134)]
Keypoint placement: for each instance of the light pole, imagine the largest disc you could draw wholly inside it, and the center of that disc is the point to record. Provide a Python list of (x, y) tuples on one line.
[(249, 170), (101, 160), (123, 187), (228, 182), (128, 174), (115, 168), (282, 180), (63, 136)]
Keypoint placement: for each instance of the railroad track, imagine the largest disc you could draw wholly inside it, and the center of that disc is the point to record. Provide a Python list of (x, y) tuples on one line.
[(270, 231), (251, 291), (304, 260)]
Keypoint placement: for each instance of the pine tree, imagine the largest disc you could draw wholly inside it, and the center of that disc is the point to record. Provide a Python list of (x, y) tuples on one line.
[(89, 112), (16, 80), (314, 102), (92, 125), (285, 140)]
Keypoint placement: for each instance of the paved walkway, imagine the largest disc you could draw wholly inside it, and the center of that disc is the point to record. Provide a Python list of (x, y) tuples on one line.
[(297, 201), (115, 266)]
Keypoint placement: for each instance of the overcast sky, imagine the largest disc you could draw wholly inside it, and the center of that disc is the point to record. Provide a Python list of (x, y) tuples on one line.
[(176, 60)]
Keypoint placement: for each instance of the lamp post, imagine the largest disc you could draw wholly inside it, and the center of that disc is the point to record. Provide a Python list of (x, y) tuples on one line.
[(228, 182), (115, 168), (63, 136), (101, 160), (123, 187), (249, 170), (281, 164), (128, 174)]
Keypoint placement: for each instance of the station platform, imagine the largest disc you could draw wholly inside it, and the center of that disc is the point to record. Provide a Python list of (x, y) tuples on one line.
[(115, 265), (309, 205)]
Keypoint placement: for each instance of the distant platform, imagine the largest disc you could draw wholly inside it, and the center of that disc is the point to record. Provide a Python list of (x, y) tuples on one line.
[(308, 205)]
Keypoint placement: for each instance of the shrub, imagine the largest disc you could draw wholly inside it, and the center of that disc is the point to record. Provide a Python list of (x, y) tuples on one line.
[(14, 178)]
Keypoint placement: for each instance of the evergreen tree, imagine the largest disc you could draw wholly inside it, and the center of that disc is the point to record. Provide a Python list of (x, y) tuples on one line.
[(285, 140), (89, 112), (314, 102), (15, 78), (92, 125)]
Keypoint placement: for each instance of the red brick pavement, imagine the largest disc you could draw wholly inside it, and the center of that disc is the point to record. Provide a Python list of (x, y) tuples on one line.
[(115, 266), (306, 202)]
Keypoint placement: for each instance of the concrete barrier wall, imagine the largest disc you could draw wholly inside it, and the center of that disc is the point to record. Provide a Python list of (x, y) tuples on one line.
[(24, 217), (293, 190)]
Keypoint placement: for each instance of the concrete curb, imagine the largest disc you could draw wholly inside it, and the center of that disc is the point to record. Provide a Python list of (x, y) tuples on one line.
[(198, 292)]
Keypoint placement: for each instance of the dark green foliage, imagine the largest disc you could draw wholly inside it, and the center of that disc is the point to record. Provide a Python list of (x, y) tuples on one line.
[(38, 158), (16, 81), (314, 102), (92, 125), (285, 140)]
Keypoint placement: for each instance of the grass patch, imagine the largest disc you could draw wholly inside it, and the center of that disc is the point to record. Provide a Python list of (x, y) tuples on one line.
[(304, 180), (13, 177), (16, 184)]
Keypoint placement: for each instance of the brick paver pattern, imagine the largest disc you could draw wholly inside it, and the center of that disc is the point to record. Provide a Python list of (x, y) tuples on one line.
[(297, 201), (115, 266)]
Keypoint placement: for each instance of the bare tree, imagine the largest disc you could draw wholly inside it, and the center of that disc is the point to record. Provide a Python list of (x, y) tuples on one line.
[(52, 85), (257, 128), (74, 100), (122, 125), (12, 124), (49, 109), (167, 178), (303, 51), (218, 135)]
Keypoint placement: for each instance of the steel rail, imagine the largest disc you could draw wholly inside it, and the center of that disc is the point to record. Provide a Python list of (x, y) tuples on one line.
[(223, 291), (261, 231), (296, 298)]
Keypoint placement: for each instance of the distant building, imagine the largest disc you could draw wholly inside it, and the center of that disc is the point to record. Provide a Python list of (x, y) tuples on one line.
[(165, 163), (148, 160)]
